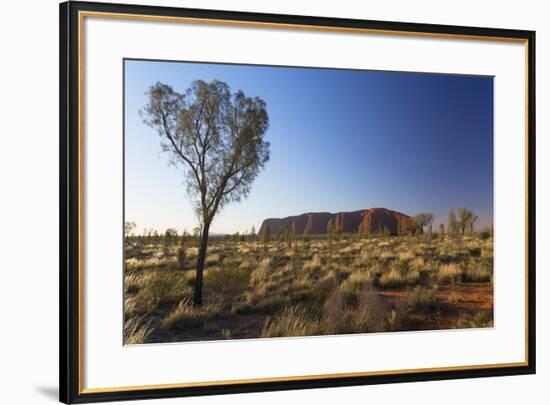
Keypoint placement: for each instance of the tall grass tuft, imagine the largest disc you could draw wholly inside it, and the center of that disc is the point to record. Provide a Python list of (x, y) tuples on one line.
[(136, 331), (450, 273), (186, 315), (294, 321)]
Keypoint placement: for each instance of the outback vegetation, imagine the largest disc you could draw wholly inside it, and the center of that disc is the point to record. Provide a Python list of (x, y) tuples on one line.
[(373, 270), (272, 285)]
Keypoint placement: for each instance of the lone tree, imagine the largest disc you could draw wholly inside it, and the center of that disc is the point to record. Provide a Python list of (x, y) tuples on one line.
[(423, 220), (253, 233), (452, 225), (129, 228), (170, 236), (466, 219), (218, 139)]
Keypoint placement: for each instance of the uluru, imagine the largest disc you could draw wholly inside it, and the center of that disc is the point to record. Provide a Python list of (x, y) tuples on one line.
[(366, 221)]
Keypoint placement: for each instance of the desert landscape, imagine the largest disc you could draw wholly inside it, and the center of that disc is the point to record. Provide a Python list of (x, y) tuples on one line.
[(373, 270), (276, 202)]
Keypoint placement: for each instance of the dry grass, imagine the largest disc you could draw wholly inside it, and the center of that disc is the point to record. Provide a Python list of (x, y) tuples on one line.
[(186, 315), (300, 290), (293, 321), (423, 300), (451, 272), (480, 319), (395, 278), (136, 331)]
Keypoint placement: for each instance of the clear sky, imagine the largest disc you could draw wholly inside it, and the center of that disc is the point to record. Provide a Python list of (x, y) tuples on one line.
[(341, 140)]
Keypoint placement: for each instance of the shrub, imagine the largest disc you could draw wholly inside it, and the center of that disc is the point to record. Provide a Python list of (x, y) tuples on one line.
[(474, 251), (484, 235), (345, 312), (316, 291), (161, 287), (270, 303), (221, 278), (423, 300)]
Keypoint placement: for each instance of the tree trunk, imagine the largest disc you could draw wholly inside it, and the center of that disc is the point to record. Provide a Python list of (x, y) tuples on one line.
[(197, 296)]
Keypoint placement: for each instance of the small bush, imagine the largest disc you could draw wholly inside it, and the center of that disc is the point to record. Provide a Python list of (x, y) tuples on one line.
[(346, 312), (484, 235), (423, 300), (271, 303), (474, 251), (161, 287), (221, 278)]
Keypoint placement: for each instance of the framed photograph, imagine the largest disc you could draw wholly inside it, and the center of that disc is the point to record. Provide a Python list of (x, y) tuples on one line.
[(254, 202)]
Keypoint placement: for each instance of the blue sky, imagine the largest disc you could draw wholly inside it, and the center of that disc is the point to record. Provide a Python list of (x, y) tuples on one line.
[(341, 140)]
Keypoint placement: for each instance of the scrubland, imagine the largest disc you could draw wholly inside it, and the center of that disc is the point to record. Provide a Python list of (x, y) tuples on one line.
[(309, 286)]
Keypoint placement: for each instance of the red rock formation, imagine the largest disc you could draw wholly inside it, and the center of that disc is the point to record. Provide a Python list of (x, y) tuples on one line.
[(369, 221)]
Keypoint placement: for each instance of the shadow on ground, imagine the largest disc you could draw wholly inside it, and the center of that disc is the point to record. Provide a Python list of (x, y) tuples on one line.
[(49, 392)]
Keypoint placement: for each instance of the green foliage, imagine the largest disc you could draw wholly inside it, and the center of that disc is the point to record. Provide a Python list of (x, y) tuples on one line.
[(161, 288), (219, 278), (218, 138)]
